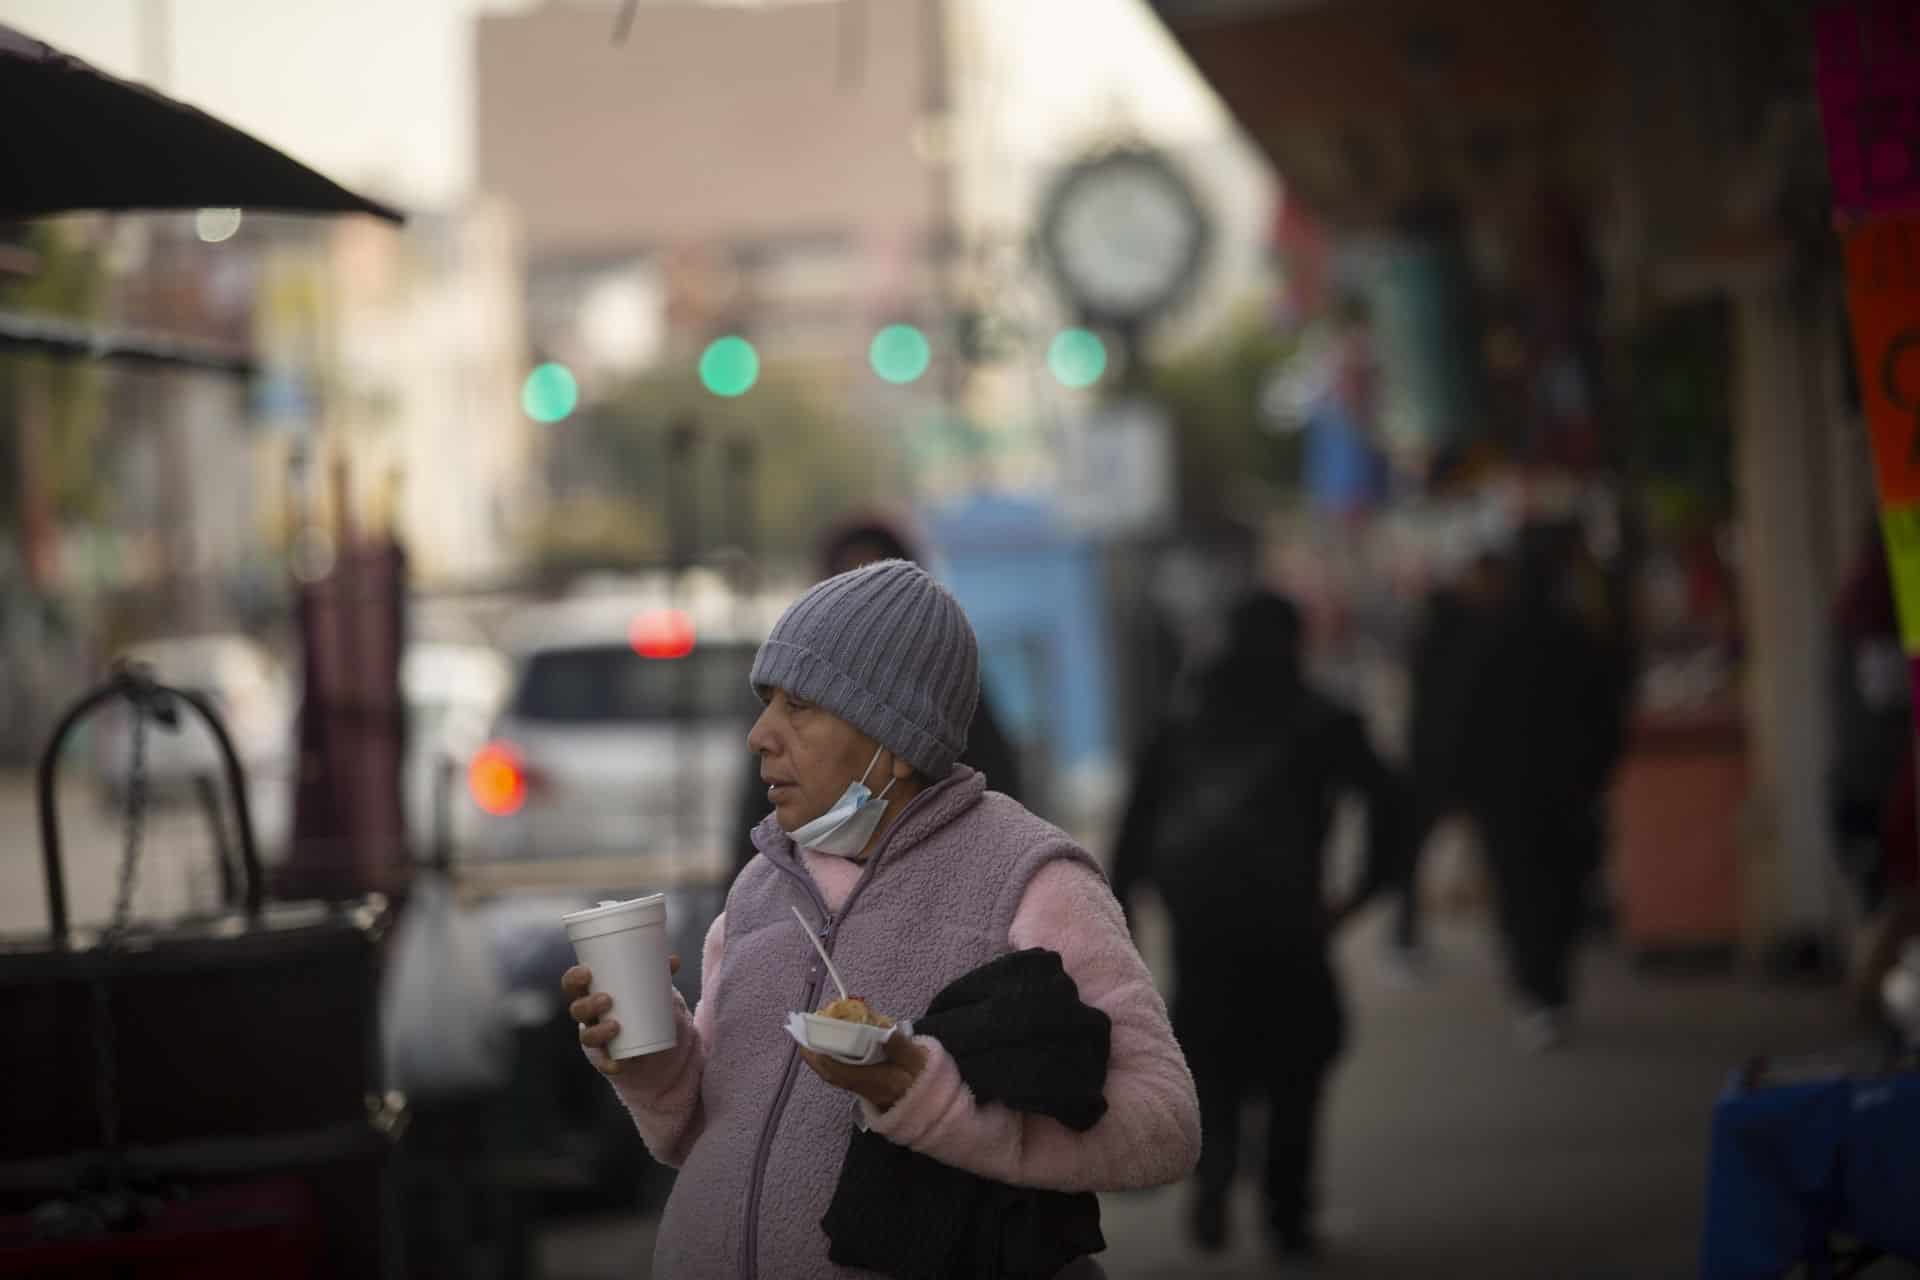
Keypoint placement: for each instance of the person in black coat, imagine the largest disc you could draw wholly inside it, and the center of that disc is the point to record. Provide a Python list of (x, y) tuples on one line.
[(1872, 721), (1548, 704), (1228, 819), (989, 750), (1451, 634)]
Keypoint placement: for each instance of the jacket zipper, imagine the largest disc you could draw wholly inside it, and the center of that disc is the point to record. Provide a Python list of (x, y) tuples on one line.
[(750, 1248)]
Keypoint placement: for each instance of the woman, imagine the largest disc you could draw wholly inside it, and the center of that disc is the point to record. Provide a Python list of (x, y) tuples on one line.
[(869, 681)]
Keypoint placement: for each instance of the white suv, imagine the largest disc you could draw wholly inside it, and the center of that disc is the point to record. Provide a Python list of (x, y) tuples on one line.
[(623, 736)]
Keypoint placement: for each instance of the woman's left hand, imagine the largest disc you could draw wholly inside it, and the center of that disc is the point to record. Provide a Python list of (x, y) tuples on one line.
[(883, 1083)]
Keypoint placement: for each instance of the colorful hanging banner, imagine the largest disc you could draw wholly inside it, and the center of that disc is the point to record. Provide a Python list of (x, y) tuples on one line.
[(1883, 300), (1901, 528), (1867, 75)]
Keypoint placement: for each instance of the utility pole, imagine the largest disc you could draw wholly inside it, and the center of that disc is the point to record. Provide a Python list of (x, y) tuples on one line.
[(174, 472), (943, 231), (742, 460), (34, 403), (156, 43), (683, 535), (31, 407)]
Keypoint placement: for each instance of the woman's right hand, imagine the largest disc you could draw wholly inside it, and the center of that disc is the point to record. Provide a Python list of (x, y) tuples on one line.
[(589, 1009)]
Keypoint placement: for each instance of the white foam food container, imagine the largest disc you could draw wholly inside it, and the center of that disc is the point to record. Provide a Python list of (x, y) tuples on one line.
[(854, 1043)]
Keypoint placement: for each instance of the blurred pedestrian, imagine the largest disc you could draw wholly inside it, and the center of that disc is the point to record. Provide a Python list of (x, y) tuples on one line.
[(1228, 820), (924, 881), (1873, 783), (1452, 633), (1545, 728), (1872, 723), (1344, 465), (1895, 921), (989, 751)]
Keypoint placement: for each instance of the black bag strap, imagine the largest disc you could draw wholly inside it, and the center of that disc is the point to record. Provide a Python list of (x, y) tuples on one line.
[(136, 684)]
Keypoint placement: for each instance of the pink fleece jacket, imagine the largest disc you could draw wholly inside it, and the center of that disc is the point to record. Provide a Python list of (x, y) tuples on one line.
[(1151, 1132)]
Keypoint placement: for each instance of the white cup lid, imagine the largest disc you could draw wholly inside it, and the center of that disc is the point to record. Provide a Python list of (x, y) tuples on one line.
[(653, 906)]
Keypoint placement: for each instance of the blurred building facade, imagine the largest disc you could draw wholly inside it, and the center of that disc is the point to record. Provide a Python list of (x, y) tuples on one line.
[(805, 174), (1621, 208), (399, 351), (135, 510), (734, 169), (402, 354)]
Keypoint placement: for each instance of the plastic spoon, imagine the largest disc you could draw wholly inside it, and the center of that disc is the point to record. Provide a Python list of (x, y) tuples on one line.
[(831, 971)]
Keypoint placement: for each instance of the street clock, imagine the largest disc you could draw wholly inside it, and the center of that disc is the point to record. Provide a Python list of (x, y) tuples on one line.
[(1124, 237)]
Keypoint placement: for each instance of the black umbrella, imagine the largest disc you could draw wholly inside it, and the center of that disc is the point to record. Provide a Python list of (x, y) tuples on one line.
[(73, 137)]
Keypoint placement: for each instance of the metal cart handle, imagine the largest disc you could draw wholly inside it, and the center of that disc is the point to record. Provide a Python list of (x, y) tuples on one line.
[(139, 689)]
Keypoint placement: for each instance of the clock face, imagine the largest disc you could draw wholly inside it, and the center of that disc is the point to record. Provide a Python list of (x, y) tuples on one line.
[(1124, 235)]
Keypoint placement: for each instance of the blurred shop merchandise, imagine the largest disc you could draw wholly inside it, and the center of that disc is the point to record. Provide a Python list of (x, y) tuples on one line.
[(1900, 994)]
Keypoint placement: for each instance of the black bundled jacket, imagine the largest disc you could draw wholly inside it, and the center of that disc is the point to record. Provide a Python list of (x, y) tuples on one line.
[(1020, 1035)]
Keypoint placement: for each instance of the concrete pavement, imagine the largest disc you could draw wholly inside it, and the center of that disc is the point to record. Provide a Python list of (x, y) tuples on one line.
[(1452, 1153)]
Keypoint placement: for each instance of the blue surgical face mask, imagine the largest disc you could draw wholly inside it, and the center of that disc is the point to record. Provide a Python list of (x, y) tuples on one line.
[(844, 830)]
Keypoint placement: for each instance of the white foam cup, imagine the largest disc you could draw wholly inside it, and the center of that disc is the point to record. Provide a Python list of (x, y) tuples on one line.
[(625, 944)]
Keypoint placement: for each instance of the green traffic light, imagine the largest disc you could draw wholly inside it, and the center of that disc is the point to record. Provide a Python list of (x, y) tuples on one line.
[(729, 366), (1077, 358), (549, 393), (899, 354)]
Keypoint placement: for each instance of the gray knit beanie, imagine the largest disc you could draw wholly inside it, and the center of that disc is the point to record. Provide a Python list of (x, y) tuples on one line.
[(888, 650)]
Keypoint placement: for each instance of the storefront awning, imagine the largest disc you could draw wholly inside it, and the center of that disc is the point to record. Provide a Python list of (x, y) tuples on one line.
[(1364, 104)]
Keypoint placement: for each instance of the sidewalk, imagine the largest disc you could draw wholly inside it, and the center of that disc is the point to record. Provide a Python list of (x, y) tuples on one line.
[(1452, 1154)]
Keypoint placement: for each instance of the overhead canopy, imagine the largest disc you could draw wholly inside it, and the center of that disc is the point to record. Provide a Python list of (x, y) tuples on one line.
[(73, 137), (1365, 104)]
